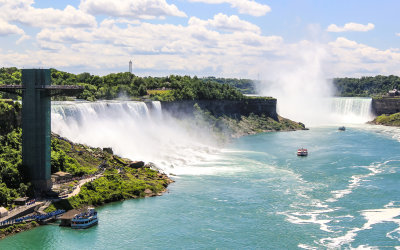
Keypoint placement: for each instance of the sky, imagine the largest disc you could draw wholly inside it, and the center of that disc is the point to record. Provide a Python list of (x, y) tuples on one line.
[(223, 38)]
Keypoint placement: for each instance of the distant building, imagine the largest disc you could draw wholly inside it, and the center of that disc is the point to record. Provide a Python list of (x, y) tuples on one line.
[(130, 66), (394, 92)]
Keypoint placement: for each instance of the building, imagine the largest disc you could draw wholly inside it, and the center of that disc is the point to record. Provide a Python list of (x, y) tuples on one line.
[(394, 92), (3, 212), (130, 66), (20, 201)]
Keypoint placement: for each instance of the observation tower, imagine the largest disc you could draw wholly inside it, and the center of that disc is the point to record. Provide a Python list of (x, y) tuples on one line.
[(36, 91)]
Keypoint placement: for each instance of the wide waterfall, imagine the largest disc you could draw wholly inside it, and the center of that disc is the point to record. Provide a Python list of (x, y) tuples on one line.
[(134, 130), (351, 110)]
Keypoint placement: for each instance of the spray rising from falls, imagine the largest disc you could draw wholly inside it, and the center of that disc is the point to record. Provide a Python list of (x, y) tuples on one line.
[(135, 130), (305, 94)]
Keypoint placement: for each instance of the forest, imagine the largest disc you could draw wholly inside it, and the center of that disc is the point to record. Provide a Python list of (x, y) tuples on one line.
[(127, 85), (366, 86), (174, 87)]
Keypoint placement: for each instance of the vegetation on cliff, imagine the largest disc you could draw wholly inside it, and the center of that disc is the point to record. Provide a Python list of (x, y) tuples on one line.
[(116, 185), (13, 229), (366, 86), (387, 120), (225, 127), (77, 159)]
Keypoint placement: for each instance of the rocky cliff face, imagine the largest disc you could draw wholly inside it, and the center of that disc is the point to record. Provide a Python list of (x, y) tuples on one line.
[(231, 108), (386, 105)]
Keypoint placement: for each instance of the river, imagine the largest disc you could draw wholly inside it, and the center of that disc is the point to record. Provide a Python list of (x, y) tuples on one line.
[(253, 193)]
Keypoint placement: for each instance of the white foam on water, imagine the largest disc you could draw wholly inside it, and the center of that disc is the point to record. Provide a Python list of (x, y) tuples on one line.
[(373, 217), (310, 217), (356, 180)]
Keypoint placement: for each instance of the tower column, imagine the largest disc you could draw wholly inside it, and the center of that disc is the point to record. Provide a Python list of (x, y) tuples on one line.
[(36, 127)]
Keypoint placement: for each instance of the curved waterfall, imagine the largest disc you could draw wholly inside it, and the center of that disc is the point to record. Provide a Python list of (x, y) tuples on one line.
[(351, 110)]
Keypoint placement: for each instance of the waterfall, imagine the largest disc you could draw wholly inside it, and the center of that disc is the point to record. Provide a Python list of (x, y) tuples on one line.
[(351, 110), (135, 130)]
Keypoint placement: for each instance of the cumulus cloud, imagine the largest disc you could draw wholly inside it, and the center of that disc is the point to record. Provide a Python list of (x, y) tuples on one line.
[(9, 29), (140, 9), (351, 27), (249, 7), (355, 59), (23, 12), (226, 23), (67, 35)]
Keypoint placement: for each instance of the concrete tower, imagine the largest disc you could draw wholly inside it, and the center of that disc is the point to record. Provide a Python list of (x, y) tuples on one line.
[(130, 66), (36, 91)]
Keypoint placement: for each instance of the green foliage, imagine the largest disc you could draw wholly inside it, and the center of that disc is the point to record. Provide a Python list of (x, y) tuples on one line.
[(114, 186), (388, 120), (16, 228), (366, 86), (246, 86), (126, 84)]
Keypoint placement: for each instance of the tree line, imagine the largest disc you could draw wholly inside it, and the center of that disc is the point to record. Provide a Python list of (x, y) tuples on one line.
[(128, 85), (366, 86)]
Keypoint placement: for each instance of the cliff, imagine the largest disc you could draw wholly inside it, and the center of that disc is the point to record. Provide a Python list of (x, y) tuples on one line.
[(230, 108), (386, 105)]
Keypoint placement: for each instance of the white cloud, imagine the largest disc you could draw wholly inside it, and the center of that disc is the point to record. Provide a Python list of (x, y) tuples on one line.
[(140, 9), (9, 29), (350, 58), (244, 6), (351, 27), (397, 34), (226, 23), (67, 35), (23, 12)]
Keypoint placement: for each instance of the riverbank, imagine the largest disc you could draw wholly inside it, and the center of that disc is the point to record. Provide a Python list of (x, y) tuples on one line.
[(387, 120), (14, 229)]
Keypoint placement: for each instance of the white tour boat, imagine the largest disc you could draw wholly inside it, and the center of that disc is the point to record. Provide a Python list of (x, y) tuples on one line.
[(85, 219)]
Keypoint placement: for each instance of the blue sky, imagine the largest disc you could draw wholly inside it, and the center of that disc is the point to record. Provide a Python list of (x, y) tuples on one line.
[(228, 38)]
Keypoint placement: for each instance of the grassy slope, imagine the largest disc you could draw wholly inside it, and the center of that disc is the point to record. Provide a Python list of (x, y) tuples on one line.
[(388, 120)]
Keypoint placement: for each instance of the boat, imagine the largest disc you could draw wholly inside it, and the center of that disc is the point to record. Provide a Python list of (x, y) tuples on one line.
[(85, 219), (302, 152), (342, 128)]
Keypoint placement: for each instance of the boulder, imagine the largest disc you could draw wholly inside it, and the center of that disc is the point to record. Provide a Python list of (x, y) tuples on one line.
[(108, 150), (136, 164)]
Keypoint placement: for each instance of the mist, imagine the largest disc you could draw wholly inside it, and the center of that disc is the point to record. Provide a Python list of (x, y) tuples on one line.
[(137, 132), (301, 87), (305, 94)]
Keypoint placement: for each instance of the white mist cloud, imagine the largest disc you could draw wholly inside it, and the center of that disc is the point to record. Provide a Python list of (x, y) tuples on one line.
[(140, 9), (244, 6), (351, 27), (301, 86)]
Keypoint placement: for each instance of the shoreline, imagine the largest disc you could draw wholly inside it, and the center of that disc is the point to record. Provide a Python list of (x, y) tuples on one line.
[(25, 226)]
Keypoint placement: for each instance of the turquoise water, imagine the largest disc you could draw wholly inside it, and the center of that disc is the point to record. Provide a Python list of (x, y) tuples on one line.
[(257, 194)]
